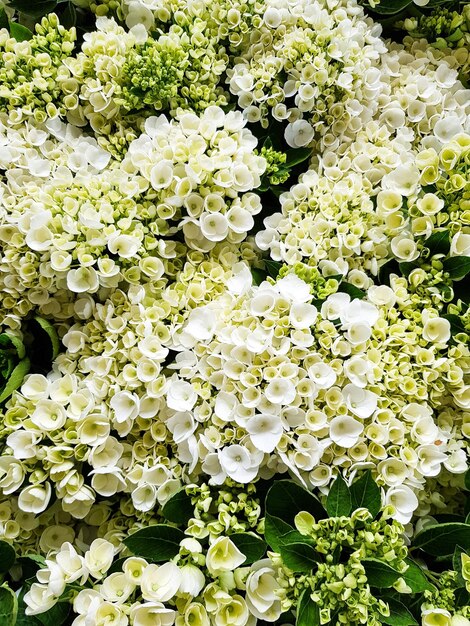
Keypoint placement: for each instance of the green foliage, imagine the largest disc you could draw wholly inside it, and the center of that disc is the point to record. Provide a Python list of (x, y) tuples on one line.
[(339, 501), (155, 543), (250, 545), (365, 493)]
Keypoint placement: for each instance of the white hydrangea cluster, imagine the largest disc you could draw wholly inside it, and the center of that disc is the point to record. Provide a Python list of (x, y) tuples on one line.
[(202, 169), (268, 383), (314, 64), (32, 156), (333, 225), (101, 403), (422, 105), (198, 586)]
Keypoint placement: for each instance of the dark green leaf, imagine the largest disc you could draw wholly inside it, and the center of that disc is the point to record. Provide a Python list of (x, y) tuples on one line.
[(68, 17), (467, 480), (273, 267), (457, 266), (20, 32), (442, 539), (15, 379), (462, 598), (456, 325), (457, 565), (14, 342), (250, 545), (8, 606), (399, 615), (390, 7), (415, 578), (286, 498), (365, 493), (179, 509), (51, 333), (155, 543), (299, 557), (308, 613), (258, 275), (407, 267), (274, 529), (352, 291), (55, 616), (3, 18), (438, 242), (380, 574), (296, 156), (339, 501), (116, 566), (7, 556), (30, 565), (34, 8)]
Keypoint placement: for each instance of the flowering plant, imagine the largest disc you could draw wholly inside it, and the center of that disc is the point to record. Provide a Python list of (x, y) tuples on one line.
[(234, 312)]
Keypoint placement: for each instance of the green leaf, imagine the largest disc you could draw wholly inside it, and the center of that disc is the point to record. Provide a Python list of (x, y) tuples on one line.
[(258, 275), (467, 480), (296, 156), (179, 508), (407, 267), (155, 543), (351, 290), (3, 18), (116, 566), (15, 379), (462, 598), (34, 8), (365, 493), (339, 501), (399, 615), (299, 557), (30, 565), (51, 333), (55, 616), (8, 606), (438, 242), (274, 530), (390, 7), (273, 267), (68, 17), (20, 32), (442, 539), (379, 573), (250, 545), (456, 325), (13, 340), (286, 498), (457, 266), (415, 578), (7, 556), (308, 613), (457, 565)]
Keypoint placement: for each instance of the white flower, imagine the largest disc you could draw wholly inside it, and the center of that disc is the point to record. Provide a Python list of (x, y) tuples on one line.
[(124, 246), (99, 557), (192, 580), (299, 134), (460, 245), (180, 395), (265, 431), (125, 406), (48, 415), (39, 599), (152, 614), (280, 391), (360, 402), (436, 330), (302, 315), (223, 556), (83, 279), (323, 375), (262, 591), (237, 463), (181, 425), (345, 430), (436, 617), (405, 502), (294, 288), (35, 498), (160, 582)]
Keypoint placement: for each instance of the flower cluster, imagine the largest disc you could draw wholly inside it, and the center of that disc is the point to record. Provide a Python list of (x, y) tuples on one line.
[(234, 244)]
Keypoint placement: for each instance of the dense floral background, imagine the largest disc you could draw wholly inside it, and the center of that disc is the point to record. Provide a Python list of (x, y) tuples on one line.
[(234, 312)]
